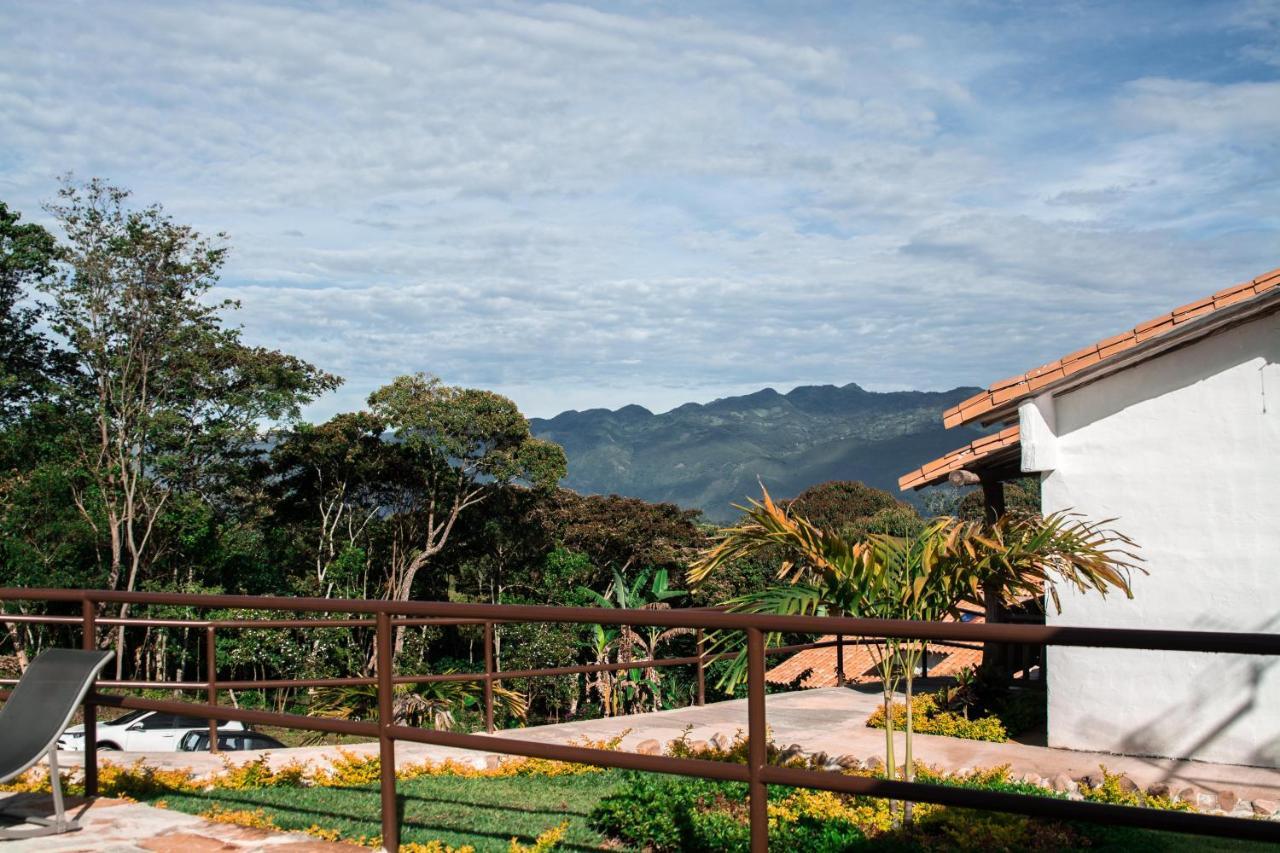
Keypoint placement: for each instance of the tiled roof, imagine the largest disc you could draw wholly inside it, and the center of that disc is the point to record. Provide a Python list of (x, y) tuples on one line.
[(1015, 388), (860, 664), (972, 453)]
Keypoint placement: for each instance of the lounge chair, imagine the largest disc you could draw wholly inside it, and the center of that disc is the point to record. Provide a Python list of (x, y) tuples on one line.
[(38, 711)]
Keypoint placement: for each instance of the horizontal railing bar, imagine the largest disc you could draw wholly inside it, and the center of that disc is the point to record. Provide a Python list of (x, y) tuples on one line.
[(1028, 804), (429, 678), (24, 618), (289, 623), (699, 767), (140, 685), (141, 622), (283, 683), (1124, 638), (242, 715)]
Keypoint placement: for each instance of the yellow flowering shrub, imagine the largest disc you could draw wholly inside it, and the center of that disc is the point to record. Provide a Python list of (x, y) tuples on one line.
[(348, 770), (255, 819), (928, 718), (869, 814), (435, 846), (1111, 791), (548, 840)]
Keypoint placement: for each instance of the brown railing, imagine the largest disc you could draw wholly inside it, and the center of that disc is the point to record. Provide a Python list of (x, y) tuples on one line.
[(757, 773)]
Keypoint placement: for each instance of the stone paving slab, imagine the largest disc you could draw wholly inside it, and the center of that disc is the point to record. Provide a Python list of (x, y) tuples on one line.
[(119, 826)]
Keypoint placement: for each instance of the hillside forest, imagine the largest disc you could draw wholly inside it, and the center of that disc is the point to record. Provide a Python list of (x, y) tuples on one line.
[(144, 445)]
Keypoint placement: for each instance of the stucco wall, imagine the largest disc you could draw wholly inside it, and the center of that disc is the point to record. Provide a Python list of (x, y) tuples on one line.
[(1185, 451)]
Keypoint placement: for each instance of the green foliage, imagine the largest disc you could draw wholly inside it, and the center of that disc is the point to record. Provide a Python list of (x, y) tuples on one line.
[(842, 504), (28, 361), (1111, 790), (1020, 496), (930, 719), (432, 704), (477, 432), (621, 534)]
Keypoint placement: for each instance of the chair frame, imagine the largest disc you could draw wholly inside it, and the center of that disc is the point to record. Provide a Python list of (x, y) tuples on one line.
[(59, 823)]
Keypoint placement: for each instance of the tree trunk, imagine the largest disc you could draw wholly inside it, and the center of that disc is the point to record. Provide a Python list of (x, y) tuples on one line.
[(993, 654)]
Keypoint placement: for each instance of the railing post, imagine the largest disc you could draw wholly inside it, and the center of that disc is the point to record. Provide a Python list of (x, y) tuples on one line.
[(839, 660), (757, 748), (89, 613), (211, 676), (387, 744), (488, 677), (702, 671)]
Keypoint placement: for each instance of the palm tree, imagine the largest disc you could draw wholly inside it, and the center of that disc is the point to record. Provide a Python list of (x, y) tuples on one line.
[(922, 577)]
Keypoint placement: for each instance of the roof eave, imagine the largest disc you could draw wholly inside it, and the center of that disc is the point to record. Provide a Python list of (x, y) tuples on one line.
[(1182, 334)]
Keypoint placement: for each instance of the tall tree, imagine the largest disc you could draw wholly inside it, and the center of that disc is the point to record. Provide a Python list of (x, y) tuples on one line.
[(166, 396), (453, 443)]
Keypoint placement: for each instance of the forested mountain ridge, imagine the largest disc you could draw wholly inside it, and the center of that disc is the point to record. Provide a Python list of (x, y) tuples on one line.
[(709, 456)]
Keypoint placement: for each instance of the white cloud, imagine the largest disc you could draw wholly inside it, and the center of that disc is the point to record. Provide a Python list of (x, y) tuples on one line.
[(580, 205)]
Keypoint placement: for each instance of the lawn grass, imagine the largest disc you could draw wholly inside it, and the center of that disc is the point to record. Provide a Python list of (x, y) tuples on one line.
[(487, 812), (483, 812)]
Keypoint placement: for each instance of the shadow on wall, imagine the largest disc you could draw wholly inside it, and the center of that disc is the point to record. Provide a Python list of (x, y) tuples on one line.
[(1231, 676)]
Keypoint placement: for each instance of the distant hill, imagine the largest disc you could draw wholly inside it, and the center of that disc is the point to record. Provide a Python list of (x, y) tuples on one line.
[(710, 456)]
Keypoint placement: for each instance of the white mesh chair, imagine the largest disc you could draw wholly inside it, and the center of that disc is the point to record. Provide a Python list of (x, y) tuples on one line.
[(37, 713)]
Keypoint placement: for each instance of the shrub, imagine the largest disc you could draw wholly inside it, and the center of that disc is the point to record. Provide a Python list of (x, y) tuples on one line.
[(1110, 790), (930, 719)]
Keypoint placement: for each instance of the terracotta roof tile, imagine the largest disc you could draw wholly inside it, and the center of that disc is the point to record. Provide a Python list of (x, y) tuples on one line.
[(1028, 383), (1153, 328), (974, 451), (818, 666), (1234, 289), (1266, 281), (1194, 307), (1117, 344), (1233, 295)]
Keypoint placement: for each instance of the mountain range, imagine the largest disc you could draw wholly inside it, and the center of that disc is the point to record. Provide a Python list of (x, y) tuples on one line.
[(710, 456)]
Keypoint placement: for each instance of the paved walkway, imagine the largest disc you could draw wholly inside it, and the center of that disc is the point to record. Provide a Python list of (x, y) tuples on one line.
[(117, 826), (831, 720)]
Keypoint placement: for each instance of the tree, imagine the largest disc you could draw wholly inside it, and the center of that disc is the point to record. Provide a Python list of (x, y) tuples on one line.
[(836, 504), (452, 445), (623, 534), (1022, 495), (922, 577), (27, 358), (163, 397), (328, 482)]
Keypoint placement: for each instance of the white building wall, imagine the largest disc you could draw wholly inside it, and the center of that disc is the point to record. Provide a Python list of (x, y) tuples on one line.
[(1184, 450)]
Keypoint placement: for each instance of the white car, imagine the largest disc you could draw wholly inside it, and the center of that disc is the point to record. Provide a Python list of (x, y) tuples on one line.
[(141, 731)]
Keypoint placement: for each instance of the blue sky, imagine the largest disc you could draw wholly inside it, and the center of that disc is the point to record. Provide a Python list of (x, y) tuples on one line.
[(590, 205)]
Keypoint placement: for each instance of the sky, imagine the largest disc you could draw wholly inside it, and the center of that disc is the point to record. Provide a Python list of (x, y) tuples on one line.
[(590, 205)]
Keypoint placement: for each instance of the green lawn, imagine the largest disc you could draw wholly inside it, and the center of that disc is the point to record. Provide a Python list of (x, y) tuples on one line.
[(483, 812), (487, 812)]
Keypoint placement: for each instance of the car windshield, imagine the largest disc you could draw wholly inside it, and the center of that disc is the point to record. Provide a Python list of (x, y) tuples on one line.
[(127, 718)]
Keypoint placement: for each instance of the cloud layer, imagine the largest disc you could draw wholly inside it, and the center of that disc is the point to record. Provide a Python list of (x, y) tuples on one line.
[(590, 206)]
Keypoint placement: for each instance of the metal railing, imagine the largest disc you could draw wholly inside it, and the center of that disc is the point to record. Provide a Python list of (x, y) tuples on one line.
[(757, 772)]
